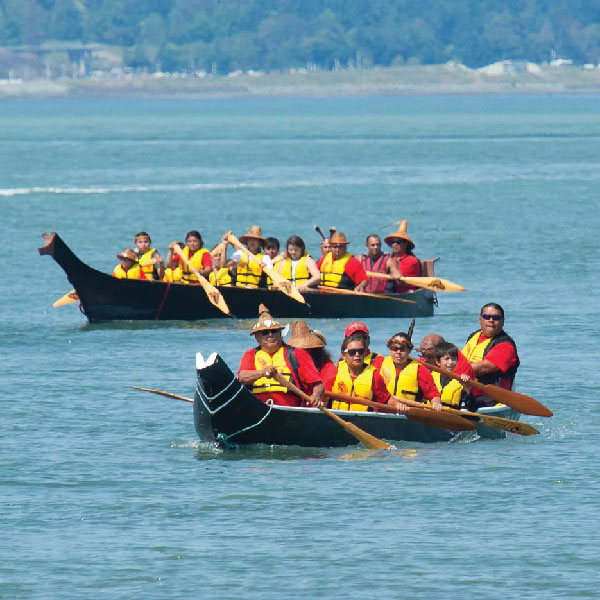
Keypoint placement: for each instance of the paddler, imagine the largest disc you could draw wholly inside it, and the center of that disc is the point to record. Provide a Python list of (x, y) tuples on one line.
[(428, 352), (378, 262), (401, 377), (358, 327), (198, 256), (354, 376), (249, 274), (299, 267), (453, 393), (339, 268), (314, 343), (402, 257), (129, 267), (149, 259), (492, 352), (258, 365)]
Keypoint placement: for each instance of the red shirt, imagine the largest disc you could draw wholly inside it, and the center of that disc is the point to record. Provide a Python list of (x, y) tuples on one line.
[(376, 285), (408, 265), (206, 260), (502, 356), (309, 377), (424, 379), (353, 269), (328, 372)]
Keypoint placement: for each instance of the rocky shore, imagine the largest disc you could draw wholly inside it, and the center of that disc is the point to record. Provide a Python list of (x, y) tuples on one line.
[(405, 80)]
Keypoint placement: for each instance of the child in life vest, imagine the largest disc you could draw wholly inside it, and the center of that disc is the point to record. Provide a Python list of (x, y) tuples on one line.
[(453, 393), (129, 267), (150, 260)]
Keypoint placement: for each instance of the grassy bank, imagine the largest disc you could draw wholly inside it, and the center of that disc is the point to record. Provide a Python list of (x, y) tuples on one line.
[(406, 80)]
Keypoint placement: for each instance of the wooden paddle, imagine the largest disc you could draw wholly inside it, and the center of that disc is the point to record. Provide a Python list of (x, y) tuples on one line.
[(434, 284), (212, 293), (490, 420), (418, 413), (332, 290), (68, 298), (279, 281), (520, 402), (163, 393), (370, 441)]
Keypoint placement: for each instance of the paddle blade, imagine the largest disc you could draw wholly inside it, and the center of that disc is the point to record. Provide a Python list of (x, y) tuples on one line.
[(508, 425), (439, 419), (68, 298), (163, 393), (434, 284), (368, 440), (521, 402), (214, 296)]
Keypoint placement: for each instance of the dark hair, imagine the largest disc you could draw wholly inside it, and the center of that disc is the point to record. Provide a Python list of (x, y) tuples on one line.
[(370, 236), (444, 348), (401, 334), (193, 233), (296, 240), (492, 305), (319, 356), (141, 233), (362, 335), (271, 241), (354, 337)]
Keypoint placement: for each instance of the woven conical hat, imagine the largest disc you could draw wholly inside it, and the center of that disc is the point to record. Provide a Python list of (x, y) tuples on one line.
[(401, 233), (303, 337), (265, 321)]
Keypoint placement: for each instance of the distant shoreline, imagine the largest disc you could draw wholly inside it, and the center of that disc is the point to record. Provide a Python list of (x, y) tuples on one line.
[(431, 80)]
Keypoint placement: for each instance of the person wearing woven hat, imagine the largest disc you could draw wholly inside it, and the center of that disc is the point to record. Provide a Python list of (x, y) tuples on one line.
[(314, 343), (258, 365), (371, 358), (197, 256), (492, 352), (401, 377), (249, 274), (129, 267), (339, 268), (405, 262)]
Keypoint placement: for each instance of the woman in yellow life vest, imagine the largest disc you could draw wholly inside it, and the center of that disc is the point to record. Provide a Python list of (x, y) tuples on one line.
[(196, 255), (453, 393), (150, 260), (399, 377), (129, 267), (354, 377), (299, 267)]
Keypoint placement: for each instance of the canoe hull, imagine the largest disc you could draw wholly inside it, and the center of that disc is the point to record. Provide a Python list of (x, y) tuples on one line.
[(227, 413), (105, 298)]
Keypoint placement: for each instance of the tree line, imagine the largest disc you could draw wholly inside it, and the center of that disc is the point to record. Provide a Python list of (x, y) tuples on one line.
[(224, 35)]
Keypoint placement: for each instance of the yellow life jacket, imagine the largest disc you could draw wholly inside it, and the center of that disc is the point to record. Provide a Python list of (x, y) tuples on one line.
[(248, 272), (360, 387), (474, 351), (403, 384), (333, 271), (221, 277), (301, 275), (172, 274), (183, 272), (450, 393), (263, 359), (147, 267), (133, 273)]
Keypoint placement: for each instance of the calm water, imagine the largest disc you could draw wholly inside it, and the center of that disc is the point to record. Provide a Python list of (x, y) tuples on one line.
[(108, 493)]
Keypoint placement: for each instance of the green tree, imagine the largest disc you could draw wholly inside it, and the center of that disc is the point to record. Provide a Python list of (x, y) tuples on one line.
[(67, 20)]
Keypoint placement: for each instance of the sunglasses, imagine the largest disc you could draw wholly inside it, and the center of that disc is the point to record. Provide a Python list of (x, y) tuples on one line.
[(398, 347), (355, 351), (488, 317), (398, 241), (338, 245), (267, 332)]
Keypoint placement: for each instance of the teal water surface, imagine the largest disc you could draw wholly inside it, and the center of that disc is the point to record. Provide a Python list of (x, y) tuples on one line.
[(108, 493)]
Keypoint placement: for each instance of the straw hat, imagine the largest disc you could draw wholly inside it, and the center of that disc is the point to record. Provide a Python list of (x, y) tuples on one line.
[(339, 237), (254, 232), (303, 337), (128, 254), (320, 335), (401, 233), (265, 321)]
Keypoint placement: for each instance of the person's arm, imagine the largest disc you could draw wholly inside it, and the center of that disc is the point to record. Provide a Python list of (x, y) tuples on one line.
[(428, 387), (248, 377), (500, 358), (160, 265), (315, 274), (206, 264), (392, 269), (172, 256), (357, 274)]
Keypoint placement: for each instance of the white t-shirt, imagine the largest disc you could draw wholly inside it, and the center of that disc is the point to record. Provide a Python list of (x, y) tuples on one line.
[(266, 259)]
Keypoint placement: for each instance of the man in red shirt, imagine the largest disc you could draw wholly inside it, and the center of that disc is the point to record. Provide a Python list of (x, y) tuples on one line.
[(375, 261), (403, 258), (428, 355), (339, 268), (491, 351), (258, 365)]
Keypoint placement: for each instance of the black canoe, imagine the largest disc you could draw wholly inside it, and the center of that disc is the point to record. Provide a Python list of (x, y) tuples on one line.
[(105, 298), (228, 414)]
